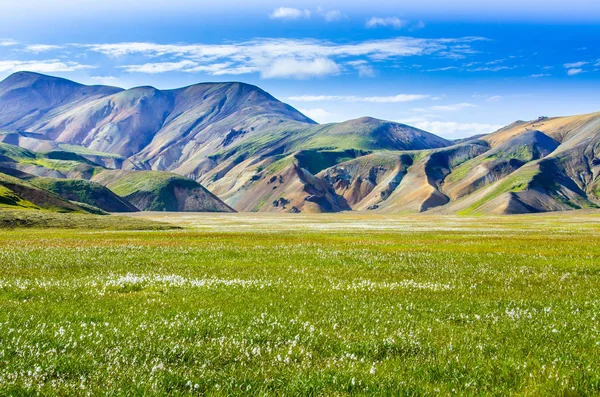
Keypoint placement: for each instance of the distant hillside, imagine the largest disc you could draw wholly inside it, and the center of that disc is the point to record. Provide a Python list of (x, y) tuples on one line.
[(24, 183), (26, 98), (158, 149), (17, 193), (86, 192), (161, 191)]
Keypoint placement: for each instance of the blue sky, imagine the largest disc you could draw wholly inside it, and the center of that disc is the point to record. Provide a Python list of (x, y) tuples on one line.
[(453, 68)]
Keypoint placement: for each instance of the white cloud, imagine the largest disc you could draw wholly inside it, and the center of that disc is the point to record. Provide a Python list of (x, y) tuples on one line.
[(418, 25), (446, 108), (495, 98), (37, 48), (44, 66), (352, 98), (363, 68), (538, 75), (160, 67), (443, 69), (575, 68), (8, 42), (319, 115), (270, 56), (454, 130), (307, 48), (491, 68), (235, 70), (392, 22), (573, 65), (215, 69), (331, 15), (289, 13), (300, 69), (104, 80), (573, 72)]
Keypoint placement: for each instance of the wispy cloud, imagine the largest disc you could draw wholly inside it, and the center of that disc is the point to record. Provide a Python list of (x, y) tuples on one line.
[(498, 98), (269, 56), (44, 66), (490, 98), (187, 66), (104, 79), (575, 64), (8, 42), (352, 98), (268, 48), (300, 69), (38, 48), (446, 108), (491, 68), (539, 75), (289, 13), (452, 129), (495, 98), (331, 15), (160, 67), (575, 71), (575, 68), (392, 22), (363, 68), (319, 115), (446, 68)]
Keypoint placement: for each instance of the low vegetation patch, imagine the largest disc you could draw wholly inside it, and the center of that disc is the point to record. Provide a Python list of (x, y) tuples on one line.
[(346, 304), (39, 219)]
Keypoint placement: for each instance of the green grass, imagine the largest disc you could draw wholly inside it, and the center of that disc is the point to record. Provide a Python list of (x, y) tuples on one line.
[(516, 182), (523, 152), (20, 193), (317, 160), (85, 191), (62, 161), (15, 152), (346, 304), (280, 165), (82, 150), (59, 165), (8, 198), (145, 181), (21, 218), (154, 190), (461, 170)]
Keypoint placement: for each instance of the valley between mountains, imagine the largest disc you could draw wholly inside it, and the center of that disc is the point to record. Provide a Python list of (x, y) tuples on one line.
[(233, 147)]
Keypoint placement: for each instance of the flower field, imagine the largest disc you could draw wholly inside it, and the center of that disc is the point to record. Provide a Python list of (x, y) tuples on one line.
[(355, 304)]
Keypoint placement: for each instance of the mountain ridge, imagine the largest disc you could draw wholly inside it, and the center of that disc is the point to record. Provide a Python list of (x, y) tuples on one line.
[(260, 154)]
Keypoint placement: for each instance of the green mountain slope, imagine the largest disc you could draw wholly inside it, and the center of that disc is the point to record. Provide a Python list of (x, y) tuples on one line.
[(86, 192), (151, 190), (161, 191), (17, 193)]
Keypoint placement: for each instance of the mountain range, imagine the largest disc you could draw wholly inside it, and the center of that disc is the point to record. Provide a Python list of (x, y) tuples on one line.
[(226, 146)]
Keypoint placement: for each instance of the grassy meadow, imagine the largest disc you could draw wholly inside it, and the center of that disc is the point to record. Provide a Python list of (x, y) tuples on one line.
[(345, 304)]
